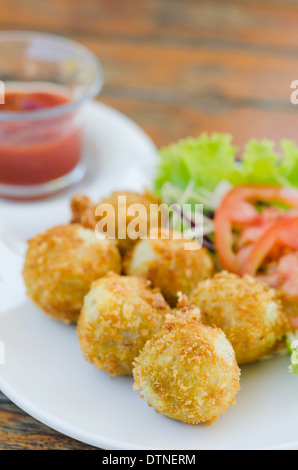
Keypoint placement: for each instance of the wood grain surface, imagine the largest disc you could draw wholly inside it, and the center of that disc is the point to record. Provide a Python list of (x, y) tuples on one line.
[(177, 67)]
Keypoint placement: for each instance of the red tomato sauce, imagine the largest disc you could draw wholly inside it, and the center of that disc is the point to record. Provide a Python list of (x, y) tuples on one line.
[(38, 150)]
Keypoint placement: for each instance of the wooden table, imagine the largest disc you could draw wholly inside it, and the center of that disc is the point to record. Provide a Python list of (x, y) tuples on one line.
[(177, 67)]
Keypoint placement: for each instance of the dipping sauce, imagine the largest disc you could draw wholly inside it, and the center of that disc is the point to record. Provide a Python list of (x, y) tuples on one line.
[(37, 150), (31, 101)]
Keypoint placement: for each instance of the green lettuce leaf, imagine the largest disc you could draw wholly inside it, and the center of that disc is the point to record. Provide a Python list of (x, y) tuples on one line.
[(208, 160), (260, 163)]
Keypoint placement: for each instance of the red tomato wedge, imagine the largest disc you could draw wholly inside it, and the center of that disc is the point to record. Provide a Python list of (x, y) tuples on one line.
[(282, 274), (282, 235), (237, 211)]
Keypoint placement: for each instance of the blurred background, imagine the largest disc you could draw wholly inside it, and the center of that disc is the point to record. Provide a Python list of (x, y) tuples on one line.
[(177, 68)]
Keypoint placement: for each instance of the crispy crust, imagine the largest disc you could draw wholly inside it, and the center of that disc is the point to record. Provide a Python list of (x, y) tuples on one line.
[(119, 315), (173, 268), (247, 311), (60, 267), (188, 371), (83, 212)]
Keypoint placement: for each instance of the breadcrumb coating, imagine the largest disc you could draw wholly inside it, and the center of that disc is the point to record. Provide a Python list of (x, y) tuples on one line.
[(188, 371), (247, 311), (83, 212), (60, 266), (169, 266), (119, 315)]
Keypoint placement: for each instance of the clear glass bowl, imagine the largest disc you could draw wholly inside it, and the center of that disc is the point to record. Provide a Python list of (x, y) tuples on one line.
[(41, 149)]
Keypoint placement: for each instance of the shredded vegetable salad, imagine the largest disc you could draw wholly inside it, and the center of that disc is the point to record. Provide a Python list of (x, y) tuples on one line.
[(204, 171)]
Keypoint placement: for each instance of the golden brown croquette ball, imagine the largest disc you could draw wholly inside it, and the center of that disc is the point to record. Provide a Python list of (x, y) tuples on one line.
[(246, 310), (84, 212), (61, 265), (121, 207), (119, 315), (169, 266), (188, 371)]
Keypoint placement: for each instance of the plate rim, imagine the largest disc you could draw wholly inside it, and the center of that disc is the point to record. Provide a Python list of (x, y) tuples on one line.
[(89, 438), (13, 395), (61, 425)]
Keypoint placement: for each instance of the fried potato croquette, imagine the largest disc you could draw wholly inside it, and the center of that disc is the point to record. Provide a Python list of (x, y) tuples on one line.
[(61, 265), (169, 266), (188, 371), (119, 315), (118, 221), (247, 311), (83, 211)]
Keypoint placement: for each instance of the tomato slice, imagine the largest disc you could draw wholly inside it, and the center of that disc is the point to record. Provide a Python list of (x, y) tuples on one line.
[(283, 234), (283, 275), (237, 211)]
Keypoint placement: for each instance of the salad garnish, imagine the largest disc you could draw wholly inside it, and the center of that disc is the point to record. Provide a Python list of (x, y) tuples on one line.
[(250, 203)]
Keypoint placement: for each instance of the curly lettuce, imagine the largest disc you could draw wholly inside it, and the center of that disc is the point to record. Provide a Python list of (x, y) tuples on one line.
[(209, 160)]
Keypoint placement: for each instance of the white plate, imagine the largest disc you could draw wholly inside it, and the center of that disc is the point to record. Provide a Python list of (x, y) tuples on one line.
[(44, 371)]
